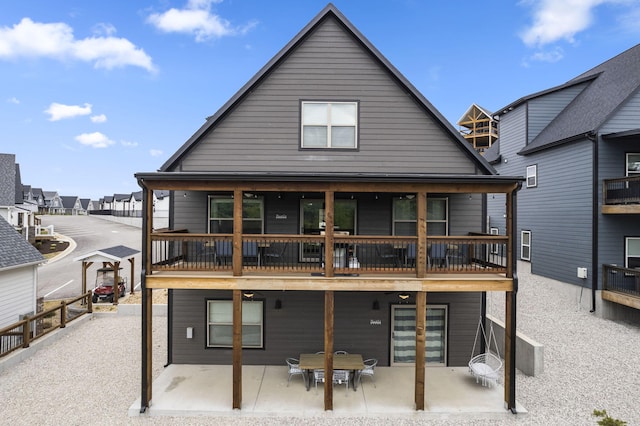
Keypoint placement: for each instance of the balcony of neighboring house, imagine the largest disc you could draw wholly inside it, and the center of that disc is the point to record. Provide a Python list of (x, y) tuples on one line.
[(621, 195), (621, 285)]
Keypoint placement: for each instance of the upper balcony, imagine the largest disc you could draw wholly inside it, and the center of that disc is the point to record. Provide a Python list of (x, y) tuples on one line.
[(621, 196), (621, 285)]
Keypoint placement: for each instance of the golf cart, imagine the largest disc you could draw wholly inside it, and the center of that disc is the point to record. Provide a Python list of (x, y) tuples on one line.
[(103, 290)]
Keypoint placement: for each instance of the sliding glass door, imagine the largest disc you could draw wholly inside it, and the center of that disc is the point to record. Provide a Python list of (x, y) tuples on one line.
[(403, 335)]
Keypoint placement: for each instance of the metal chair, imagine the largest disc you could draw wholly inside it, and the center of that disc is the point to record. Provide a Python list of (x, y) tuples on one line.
[(294, 368), (341, 376), (438, 255), (224, 252), (250, 251), (368, 370), (275, 253), (341, 353), (387, 254), (318, 376)]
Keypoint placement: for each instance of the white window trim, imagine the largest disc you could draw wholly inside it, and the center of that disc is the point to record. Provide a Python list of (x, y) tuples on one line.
[(532, 173), (209, 323), (626, 250), (523, 245), (329, 138), (630, 172), (494, 247)]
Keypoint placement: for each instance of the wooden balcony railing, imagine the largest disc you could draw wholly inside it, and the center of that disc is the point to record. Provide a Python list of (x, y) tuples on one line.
[(621, 191), (621, 280), (352, 255)]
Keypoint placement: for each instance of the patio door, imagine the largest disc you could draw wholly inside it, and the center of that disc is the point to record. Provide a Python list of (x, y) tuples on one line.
[(312, 223), (403, 335)]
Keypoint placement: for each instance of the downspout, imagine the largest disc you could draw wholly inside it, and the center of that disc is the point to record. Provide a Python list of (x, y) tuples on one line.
[(596, 219), (143, 282), (514, 295)]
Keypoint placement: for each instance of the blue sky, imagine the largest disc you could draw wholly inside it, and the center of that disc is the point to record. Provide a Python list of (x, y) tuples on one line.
[(93, 92)]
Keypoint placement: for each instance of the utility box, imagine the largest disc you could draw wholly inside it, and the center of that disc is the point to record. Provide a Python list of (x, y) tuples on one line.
[(582, 272)]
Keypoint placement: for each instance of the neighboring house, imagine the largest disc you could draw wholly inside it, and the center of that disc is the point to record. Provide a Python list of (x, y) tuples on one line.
[(17, 211), (19, 262), (135, 204), (106, 203), (120, 205), (161, 202), (38, 196), (478, 127), (327, 153), (53, 202), (86, 205), (579, 214), (71, 204)]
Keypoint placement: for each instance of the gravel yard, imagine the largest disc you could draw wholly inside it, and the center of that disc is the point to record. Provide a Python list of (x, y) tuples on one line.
[(92, 376)]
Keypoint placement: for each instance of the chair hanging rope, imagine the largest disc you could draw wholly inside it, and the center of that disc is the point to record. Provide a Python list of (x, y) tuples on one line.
[(485, 366)]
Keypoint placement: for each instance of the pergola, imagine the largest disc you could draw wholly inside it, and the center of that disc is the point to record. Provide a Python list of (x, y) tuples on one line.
[(111, 258)]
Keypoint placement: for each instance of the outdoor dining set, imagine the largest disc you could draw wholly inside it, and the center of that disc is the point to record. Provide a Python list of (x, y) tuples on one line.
[(347, 368)]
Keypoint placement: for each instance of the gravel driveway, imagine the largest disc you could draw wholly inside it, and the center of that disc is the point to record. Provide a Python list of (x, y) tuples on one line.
[(92, 375)]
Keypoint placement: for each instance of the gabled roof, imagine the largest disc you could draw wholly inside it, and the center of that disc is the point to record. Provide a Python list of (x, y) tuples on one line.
[(69, 202), (329, 11), (48, 195), (84, 202), (121, 197), (609, 85), (110, 254), (108, 198), (18, 189), (161, 193), (137, 196), (15, 251), (468, 111)]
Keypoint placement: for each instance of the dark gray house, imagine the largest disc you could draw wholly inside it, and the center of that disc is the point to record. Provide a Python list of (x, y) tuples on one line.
[(578, 144), (330, 201)]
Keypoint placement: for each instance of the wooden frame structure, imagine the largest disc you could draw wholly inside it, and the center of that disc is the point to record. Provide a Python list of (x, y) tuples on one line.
[(329, 282)]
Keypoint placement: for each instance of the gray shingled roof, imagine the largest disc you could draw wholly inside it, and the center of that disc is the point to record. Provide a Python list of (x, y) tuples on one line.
[(7, 179), (15, 251), (115, 253), (613, 82)]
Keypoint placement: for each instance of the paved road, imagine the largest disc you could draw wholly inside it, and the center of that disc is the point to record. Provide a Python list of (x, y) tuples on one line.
[(62, 277)]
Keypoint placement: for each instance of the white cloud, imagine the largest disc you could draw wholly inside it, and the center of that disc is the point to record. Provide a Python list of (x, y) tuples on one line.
[(551, 55), (196, 18), (155, 152), (59, 111), (13, 100), (554, 20), (94, 140), (56, 41), (101, 118), (129, 144)]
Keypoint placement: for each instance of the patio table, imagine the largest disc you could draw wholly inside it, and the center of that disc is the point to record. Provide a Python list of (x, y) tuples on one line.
[(351, 362)]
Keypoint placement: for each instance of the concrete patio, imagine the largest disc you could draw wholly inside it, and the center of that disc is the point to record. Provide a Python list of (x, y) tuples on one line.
[(205, 390)]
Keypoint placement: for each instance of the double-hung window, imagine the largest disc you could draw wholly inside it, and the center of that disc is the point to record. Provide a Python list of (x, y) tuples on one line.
[(532, 176), (632, 252), (220, 324), (633, 164), (221, 215), (525, 245), (405, 220), (329, 125)]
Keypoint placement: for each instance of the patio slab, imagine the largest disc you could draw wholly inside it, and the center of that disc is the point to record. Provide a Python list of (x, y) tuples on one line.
[(206, 390)]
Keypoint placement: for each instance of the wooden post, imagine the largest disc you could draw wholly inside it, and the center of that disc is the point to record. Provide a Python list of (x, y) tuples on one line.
[(146, 303), (85, 266), (421, 333), (116, 282), (237, 233), (509, 351), (421, 248), (328, 349), (26, 332), (132, 263), (237, 349), (63, 314), (328, 234)]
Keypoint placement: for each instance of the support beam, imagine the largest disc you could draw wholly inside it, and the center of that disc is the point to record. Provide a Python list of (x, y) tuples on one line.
[(132, 263), (237, 349), (510, 351), (421, 333), (328, 230), (237, 233), (328, 349), (146, 303), (421, 249), (116, 282)]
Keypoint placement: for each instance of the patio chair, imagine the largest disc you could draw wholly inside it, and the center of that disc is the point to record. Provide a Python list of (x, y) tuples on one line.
[(387, 254), (410, 258), (294, 368), (275, 253), (224, 252), (204, 252), (438, 255), (340, 377), (368, 370), (250, 251), (318, 376)]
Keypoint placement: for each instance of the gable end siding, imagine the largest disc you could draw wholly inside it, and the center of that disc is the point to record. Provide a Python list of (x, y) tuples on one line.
[(544, 109), (262, 132)]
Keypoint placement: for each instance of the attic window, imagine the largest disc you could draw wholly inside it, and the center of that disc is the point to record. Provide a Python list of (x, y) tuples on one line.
[(329, 125)]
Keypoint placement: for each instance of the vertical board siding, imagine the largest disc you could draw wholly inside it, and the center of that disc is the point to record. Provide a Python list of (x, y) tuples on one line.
[(298, 326), (17, 287), (262, 133)]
